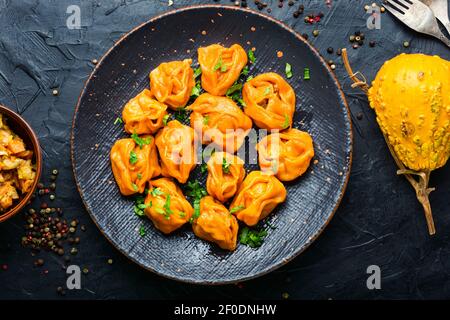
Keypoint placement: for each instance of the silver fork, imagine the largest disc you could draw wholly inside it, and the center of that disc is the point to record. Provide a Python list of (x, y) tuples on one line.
[(440, 10), (417, 16)]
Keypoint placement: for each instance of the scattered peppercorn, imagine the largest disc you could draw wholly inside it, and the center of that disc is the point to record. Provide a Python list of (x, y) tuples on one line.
[(110, 261), (372, 44), (406, 44), (330, 50), (359, 116), (73, 251), (339, 51), (55, 92), (315, 33)]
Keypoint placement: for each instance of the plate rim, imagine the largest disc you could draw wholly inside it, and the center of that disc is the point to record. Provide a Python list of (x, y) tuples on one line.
[(347, 172)]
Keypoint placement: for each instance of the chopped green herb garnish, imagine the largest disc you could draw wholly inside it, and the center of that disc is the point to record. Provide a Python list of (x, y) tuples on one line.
[(244, 71), (220, 65), (196, 90), (251, 237), (249, 78), (237, 208), (205, 120), (139, 176), (140, 206), (167, 205), (266, 91), (135, 187), (251, 56), (197, 72), (286, 122), (156, 192), (133, 157), (165, 119), (181, 114), (197, 192), (236, 87), (241, 102), (203, 168), (288, 70), (306, 74), (118, 120), (141, 141), (182, 214), (142, 231), (225, 166), (160, 211)]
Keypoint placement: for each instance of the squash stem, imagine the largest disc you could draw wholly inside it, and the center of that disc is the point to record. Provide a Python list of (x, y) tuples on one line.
[(420, 186)]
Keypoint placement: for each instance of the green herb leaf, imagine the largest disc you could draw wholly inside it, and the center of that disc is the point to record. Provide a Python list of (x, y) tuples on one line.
[(252, 237), (141, 141), (156, 192), (181, 114), (306, 74), (118, 120), (244, 71), (251, 56), (237, 209), (197, 72), (139, 176), (249, 78), (203, 168), (133, 157), (236, 87), (196, 90), (225, 166), (266, 91), (166, 119), (205, 120), (288, 70), (142, 231), (241, 102), (140, 206), (197, 192), (135, 187), (220, 65), (182, 214), (286, 121), (167, 205)]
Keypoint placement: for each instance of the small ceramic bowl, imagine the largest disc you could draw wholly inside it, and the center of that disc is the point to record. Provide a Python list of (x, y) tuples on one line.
[(20, 127)]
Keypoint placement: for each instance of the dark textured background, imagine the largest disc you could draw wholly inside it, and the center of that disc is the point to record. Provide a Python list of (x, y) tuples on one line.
[(379, 221)]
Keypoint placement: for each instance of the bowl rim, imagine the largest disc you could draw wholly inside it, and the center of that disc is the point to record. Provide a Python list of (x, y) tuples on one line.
[(38, 154)]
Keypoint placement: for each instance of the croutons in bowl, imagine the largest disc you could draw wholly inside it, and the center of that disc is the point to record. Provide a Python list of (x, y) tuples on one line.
[(20, 163)]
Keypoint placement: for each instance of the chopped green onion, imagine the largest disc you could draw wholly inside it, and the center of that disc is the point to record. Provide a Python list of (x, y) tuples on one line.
[(288, 70), (133, 157), (118, 120), (237, 208), (251, 56), (197, 72), (165, 119), (306, 74), (141, 141)]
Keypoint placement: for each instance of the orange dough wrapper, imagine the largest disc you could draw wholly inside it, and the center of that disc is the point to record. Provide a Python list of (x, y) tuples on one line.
[(167, 207), (269, 101), (219, 120), (257, 196), (176, 147), (286, 154), (143, 114), (172, 82), (131, 176), (222, 183), (216, 224), (221, 67)]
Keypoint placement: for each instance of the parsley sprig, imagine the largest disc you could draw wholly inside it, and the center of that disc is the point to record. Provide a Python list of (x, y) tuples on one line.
[(133, 157), (225, 166), (252, 237), (141, 142), (196, 192)]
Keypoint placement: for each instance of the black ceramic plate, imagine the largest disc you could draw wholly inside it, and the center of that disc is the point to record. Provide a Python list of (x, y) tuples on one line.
[(123, 72)]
